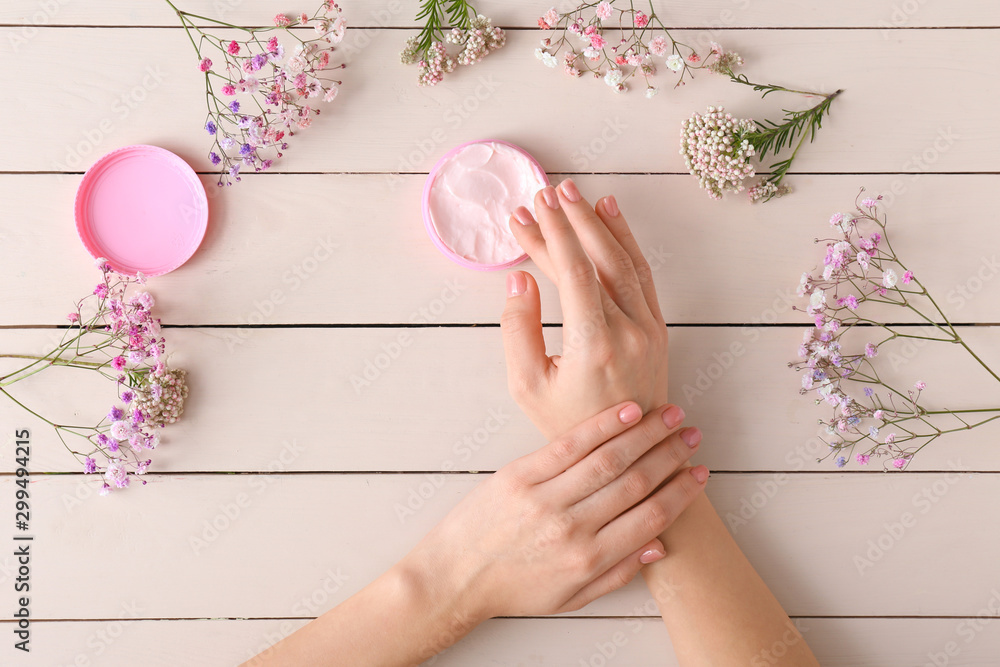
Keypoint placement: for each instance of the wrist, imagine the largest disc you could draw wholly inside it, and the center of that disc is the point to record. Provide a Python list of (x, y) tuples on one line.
[(443, 593)]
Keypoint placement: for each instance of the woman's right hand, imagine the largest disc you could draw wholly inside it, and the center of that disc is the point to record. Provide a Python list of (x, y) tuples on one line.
[(562, 526)]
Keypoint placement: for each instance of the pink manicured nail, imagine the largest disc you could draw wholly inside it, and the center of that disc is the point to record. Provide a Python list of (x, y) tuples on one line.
[(611, 206), (691, 437), (673, 416), (629, 413), (524, 216), (700, 474), (569, 190), (551, 199), (651, 556), (517, 284)]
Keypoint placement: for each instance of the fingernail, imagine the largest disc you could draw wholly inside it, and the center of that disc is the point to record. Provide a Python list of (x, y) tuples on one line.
[(629, 413), (673, 416), (691, 437), (551, 199), (651, 556), (524, 216), (517, 284), (569, 190), (611, 206), (700, 474)]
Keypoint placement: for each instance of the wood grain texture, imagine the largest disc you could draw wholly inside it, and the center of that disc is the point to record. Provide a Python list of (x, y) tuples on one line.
[(360, 416), (641, 642), (354, 250), (375, 399), (715, 14), (119, 97), (246, 546)]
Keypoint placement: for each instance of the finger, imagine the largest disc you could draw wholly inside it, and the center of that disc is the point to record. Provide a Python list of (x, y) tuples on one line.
[(617, 577), (642, 478), (521, 328), (607, 463), (528, 234), (568, 449), (579, 289), (614, 265), (653, 515), (610, 214)]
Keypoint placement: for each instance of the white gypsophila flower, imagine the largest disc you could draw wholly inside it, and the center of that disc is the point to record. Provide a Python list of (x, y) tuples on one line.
[(651, 92), (547, 58), (675, 62), (121, 430), (817, 300), (889, 278), (614, 77), (803, 284)]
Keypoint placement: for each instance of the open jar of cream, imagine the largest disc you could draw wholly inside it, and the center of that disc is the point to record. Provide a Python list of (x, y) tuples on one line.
[(469, 196)]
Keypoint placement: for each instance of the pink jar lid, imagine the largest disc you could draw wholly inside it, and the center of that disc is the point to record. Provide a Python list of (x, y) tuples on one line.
[(143, 209), (432, 230)]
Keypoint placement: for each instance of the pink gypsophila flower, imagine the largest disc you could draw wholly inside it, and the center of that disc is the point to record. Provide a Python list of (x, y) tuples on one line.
[(204, 65), (234, 48)]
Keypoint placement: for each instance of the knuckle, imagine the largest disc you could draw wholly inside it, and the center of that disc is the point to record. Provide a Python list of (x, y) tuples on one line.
[(655, 517), (619, 260), (581, 563), (605, 468), (513, 321), (637, 484), (643, 270), (580, 274), (621, 578)]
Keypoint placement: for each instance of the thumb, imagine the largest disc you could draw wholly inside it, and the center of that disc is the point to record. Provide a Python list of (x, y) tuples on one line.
[(521, 326)]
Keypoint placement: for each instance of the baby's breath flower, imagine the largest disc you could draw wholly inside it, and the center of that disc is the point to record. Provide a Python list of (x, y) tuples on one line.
[(716, 150)]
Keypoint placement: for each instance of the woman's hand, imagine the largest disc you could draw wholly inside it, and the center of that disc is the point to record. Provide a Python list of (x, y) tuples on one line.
[(614, 337), (564, 525)]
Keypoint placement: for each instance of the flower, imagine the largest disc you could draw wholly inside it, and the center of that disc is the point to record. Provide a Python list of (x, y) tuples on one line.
[(716, 150), (116, 473), (204, 65), (214, 158), (233, 48), (658, 45), (597, 41), (228, 90), (841, 461), (282, 21), (878, 414), (920, 385), (891, 438), (122, 429), (234, 106), (547, 58), (675, 62), (898, 463), (651, 92), (907, 277), (640, 20), (118, 363), (603, 11), (889, 278), (868, 202), (613, 77), (871, 350), (862, 459)]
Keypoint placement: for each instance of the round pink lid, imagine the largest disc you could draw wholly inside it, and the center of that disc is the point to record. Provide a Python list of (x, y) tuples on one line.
[(143, 208)]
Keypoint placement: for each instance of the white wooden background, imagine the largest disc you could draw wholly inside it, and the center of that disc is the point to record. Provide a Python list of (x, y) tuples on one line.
[(321, 469)]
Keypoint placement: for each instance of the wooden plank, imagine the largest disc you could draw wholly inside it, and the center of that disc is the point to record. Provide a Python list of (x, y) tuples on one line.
[(436, 400), (147, 90), (710, 14), (827, 545), (554, 642), (327, 259)]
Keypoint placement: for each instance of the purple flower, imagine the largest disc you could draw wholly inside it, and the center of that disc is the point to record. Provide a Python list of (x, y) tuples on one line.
[(116, 414), (850, 301), (258, 61), (841, 461), (246, 150), (89, 465), (127, 396), (234, 106), (101, 291), (210, 127), (234, 172), (214, 158), (871, 350), (869, 391), (104, 440)]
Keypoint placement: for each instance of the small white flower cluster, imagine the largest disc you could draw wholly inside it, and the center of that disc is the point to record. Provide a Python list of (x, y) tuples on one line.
[(716, 150), (162, 399), (478, 41), (766, 190)]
